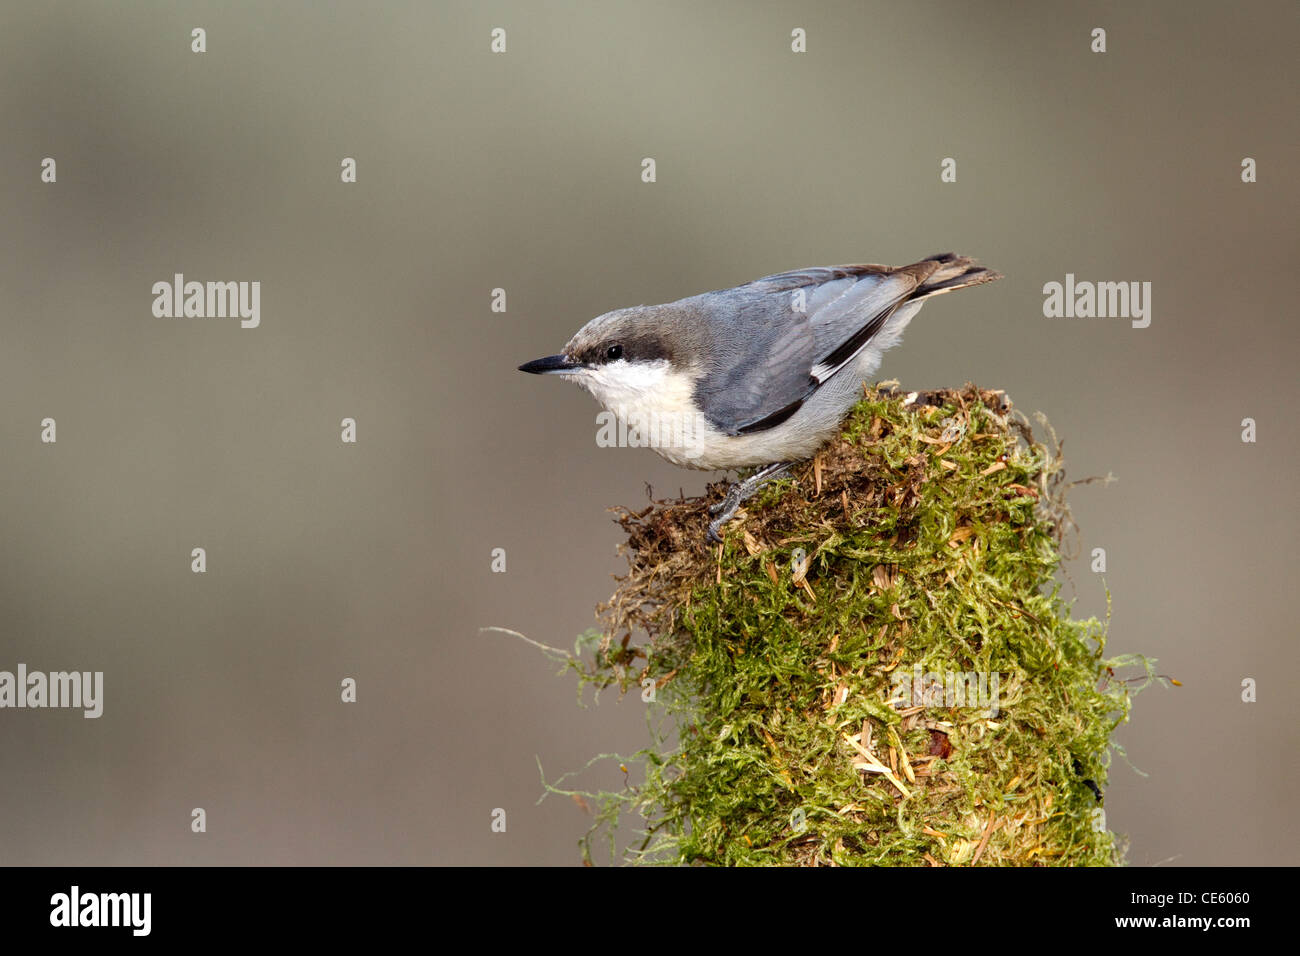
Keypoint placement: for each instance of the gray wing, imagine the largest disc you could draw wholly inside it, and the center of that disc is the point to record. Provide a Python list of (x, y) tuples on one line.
[(783, 336)]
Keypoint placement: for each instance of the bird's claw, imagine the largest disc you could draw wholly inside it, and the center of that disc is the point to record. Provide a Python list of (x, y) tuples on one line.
[(726, 509), (715, 526)]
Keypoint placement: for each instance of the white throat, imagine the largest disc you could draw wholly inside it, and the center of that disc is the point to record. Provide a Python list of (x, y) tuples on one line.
[(643, 387), (655, 403)]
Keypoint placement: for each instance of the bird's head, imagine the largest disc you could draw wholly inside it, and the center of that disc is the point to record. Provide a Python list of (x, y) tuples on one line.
[(621, 357)]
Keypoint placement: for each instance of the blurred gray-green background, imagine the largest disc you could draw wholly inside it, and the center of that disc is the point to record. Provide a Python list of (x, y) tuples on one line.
[(521, 171)]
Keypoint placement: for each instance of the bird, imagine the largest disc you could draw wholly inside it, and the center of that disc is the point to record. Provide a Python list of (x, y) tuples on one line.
[(759, 376)]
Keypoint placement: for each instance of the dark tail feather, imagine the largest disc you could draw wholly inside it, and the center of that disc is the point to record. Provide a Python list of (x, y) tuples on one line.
[(953, 272)]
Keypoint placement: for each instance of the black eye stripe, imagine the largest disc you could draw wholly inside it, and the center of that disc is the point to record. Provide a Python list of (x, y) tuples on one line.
[(630, 347)]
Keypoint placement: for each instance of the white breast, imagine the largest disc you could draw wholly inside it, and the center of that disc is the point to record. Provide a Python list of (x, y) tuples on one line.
[(656, 405), (655, 401)]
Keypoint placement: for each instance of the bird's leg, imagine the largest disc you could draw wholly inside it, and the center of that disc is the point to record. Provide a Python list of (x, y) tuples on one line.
[(726, 508)]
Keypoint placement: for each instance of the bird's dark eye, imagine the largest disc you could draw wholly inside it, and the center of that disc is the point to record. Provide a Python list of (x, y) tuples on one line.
[(613, 353)]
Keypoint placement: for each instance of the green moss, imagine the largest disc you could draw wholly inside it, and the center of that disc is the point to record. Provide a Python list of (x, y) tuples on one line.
[(782, 660)]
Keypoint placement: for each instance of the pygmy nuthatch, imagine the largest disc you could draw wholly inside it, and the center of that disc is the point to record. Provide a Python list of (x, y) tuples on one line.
[(758, 375)]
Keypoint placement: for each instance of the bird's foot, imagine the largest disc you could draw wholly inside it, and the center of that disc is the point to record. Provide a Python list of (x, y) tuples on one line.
[(727, 513), (726, 502), (726, 509)]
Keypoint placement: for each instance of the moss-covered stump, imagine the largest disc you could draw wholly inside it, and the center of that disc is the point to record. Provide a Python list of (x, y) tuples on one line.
[(875, 667)]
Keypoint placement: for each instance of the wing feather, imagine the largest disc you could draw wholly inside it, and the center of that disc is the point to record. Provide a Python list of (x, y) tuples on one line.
[(784, 336)]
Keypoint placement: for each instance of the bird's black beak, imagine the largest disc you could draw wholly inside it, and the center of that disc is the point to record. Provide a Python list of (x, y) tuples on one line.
[(550, 365)]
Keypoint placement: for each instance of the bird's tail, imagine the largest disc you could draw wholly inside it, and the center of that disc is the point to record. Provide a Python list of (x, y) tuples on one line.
[(950, 271)]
